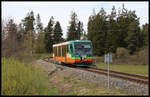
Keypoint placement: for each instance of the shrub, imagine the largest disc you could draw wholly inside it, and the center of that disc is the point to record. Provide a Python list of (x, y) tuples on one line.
[(143, 56), (122, 53), (21, 79)]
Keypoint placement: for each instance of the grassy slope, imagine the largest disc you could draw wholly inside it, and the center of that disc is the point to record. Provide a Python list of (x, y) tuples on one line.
[(133, 69), (24, 79)]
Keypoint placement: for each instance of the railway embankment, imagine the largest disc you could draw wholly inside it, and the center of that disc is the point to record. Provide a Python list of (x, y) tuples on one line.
[(131, 87)]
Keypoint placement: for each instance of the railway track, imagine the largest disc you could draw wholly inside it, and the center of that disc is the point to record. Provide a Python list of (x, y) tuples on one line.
[(131, 77), (126, 76)]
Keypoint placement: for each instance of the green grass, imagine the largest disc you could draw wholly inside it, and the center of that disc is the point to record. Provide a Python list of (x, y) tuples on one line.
[(133, 69), (24, 79)]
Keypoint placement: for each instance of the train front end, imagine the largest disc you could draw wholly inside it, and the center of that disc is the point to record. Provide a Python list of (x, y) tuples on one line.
[(82, 53)]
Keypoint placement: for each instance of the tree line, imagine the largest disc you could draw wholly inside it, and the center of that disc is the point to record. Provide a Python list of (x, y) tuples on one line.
[(107, 33), (116, 30), (31, 37)]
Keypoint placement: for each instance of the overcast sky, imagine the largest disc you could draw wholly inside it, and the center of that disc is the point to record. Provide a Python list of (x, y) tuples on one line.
[(61, 11)]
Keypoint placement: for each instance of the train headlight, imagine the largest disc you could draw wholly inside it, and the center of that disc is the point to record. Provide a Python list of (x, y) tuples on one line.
[(83, 58)]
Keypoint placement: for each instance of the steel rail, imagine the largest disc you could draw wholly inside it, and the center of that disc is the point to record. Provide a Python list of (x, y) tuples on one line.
[(116, 74), (126, 76)]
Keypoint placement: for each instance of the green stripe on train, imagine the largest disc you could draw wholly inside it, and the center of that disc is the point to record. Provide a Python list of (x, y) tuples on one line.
[(80, 58)]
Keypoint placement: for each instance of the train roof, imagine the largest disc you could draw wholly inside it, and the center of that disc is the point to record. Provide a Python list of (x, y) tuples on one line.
[(67, 42), (80, 41)]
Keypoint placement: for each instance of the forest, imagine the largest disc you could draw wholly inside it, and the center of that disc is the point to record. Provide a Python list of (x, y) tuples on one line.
[(118, 31)]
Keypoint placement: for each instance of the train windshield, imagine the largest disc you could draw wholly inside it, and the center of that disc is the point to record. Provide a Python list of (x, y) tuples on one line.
[(83, 49)]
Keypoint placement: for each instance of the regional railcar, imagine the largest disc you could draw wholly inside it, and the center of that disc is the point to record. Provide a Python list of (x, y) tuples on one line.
[(77, 52)]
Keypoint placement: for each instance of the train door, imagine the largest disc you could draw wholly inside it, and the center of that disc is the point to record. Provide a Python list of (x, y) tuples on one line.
[(66, 52)]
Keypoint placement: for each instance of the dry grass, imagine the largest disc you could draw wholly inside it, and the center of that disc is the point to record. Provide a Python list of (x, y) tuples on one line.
[(134, 64), (139, 58)]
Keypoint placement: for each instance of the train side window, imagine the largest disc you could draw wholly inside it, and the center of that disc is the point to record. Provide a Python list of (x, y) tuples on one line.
[(63, 51), (59, 51), (53, 51), (56, 51), (71, 49), (66, 48)]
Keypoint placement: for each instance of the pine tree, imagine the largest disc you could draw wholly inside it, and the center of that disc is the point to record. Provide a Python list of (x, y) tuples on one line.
[(109, 32), (123, 22), (132, 38), (28, 22), (91, 25), (40, 45), (72, 29), (79, 30), (112, 35), (57, 33), (89, 34), (98, 31), (48, 35), (144, 35), (29, 33), (39, 26)]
